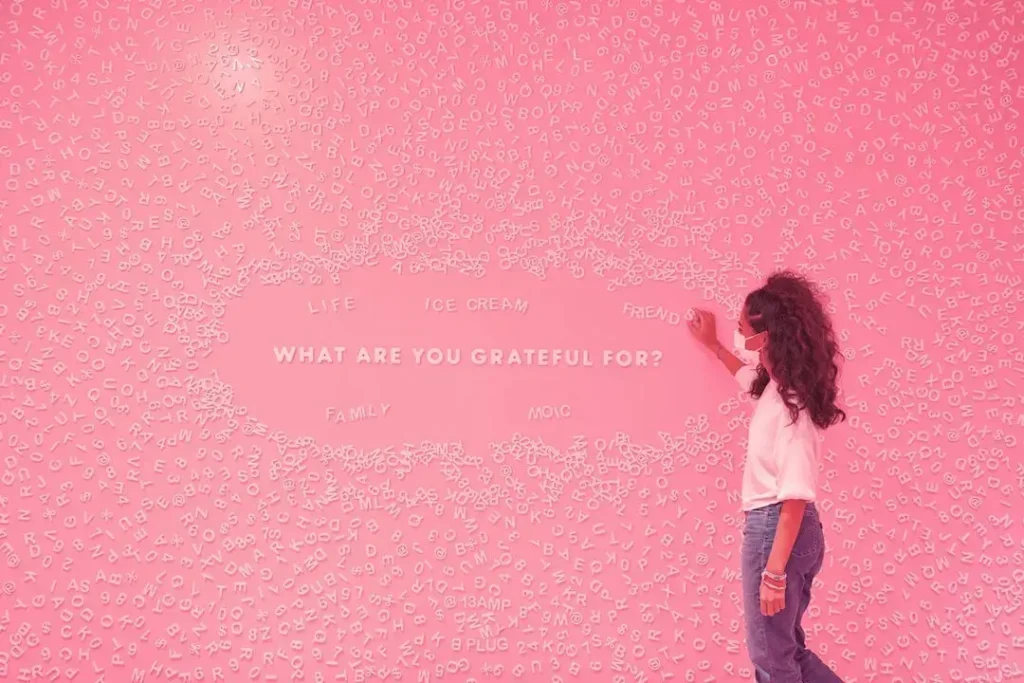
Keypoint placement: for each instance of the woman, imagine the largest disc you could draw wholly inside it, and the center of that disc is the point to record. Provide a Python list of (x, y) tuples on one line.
[(786, 339)]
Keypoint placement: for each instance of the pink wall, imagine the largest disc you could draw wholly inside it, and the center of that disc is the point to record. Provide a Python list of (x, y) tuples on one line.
[(189, 186)]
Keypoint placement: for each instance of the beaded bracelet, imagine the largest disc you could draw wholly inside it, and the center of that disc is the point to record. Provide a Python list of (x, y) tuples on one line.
[(774, 581)]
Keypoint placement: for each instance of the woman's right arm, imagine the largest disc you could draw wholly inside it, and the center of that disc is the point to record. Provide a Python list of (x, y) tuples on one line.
[(702, 326), (731, 362)]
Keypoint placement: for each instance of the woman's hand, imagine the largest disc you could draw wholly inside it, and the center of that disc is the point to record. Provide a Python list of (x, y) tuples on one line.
[(773, 600), (702, 326)]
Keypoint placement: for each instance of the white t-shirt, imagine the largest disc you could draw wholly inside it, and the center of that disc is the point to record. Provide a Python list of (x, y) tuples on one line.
[(782, 458)]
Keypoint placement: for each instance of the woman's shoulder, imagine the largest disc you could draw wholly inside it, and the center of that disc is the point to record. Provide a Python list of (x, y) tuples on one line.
[(745, 376), (805, 426)]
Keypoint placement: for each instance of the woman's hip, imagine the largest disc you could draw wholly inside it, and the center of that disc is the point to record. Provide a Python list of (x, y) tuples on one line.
[(761, 525)]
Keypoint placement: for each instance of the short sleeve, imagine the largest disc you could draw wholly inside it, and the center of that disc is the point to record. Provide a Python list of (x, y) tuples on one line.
[(796, 455), (745, 376)]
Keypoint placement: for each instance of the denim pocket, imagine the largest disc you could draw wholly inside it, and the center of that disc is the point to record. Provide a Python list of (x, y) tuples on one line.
[(810, 539)]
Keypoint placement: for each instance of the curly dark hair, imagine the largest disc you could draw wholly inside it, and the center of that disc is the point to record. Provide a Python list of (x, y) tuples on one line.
[(801, 347)]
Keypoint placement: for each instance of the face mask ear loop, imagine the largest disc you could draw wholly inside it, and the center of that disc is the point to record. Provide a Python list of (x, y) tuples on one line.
[(764, 340)]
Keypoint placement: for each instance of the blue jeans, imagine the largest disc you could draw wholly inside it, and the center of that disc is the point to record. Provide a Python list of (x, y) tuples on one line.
[(776, 644)]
